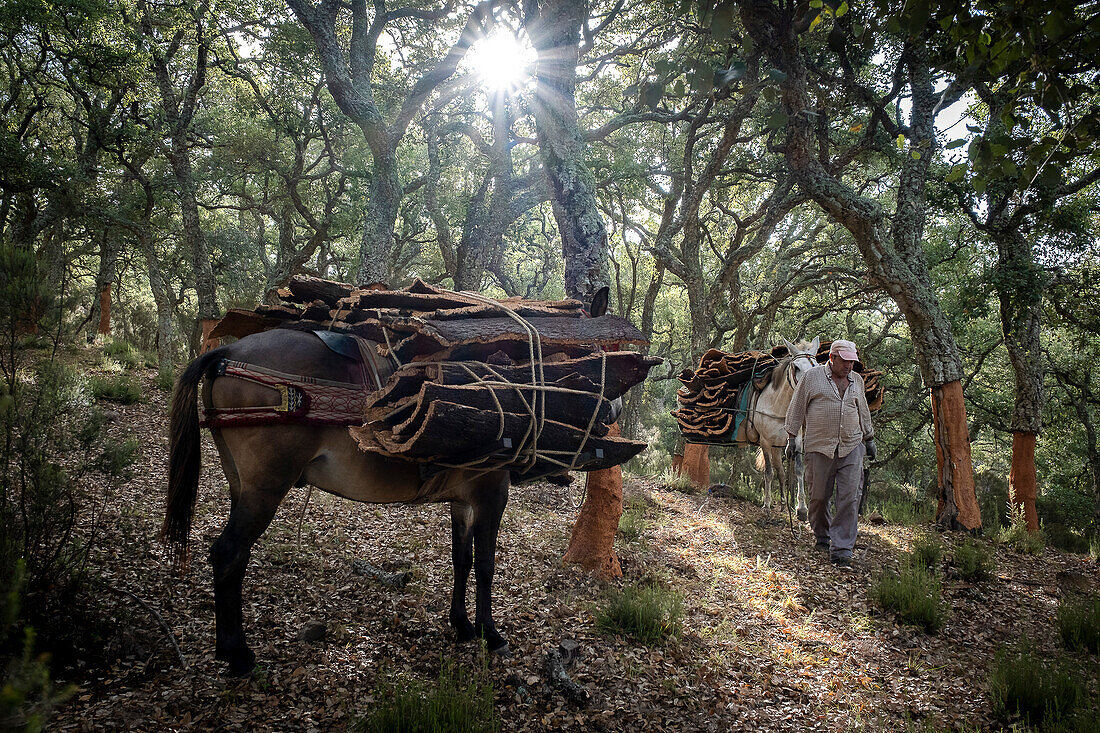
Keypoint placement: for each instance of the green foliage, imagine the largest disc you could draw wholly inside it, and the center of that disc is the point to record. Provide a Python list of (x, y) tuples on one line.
[(119, 388), (974, 561), (1079, 623), (632, 524), (646, 612), (677, 482), (1016, 535), (461, 700), (1022, 684), (927, 550), (27, 695), (913, 594), (166, 378)]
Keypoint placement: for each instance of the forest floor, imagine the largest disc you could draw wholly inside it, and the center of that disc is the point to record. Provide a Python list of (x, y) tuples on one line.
[(773, 638)]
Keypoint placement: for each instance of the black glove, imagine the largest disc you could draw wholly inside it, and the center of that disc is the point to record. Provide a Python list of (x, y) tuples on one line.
[(872, 450), (791, 447)]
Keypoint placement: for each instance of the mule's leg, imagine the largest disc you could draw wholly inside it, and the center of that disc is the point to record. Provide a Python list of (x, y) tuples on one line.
[(252, 513), (769, 472), (462, 560), (799, 470), (492, 499)]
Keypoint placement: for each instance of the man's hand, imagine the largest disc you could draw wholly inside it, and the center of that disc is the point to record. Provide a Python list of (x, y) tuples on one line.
[(872, 449), (791, 447)]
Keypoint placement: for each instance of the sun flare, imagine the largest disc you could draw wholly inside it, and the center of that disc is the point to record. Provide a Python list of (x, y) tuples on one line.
[(502, 61)]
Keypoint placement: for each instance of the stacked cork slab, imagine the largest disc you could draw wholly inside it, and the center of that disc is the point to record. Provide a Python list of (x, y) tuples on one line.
[(514, 383), (711, 395)]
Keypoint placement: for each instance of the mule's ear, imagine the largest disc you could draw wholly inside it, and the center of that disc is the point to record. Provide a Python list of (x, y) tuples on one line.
[(599, 302), (791, 348), (814, 345)]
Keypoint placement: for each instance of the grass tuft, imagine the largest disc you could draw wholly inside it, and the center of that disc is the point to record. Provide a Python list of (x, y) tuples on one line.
[(677, 482), (1015, 534), (927, 550), (633, 523), (913, 594), (460, 700), (1079, 624), (1020, 684), (974, 562), (119, 388), (647, 613)]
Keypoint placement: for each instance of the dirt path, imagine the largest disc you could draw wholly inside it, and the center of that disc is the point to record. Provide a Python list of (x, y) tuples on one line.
[(774, 638)]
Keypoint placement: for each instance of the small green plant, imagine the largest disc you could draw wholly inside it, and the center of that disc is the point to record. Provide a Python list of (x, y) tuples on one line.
[(1079, 624), (1015, 534), (461, 700), (927, 550), (123, 353), (114, 348), (632, 524), (1021, 684), (646, 612), (674, 481), (165, 379), (913, 594), (903, 512), (974, 562), (119, 388)]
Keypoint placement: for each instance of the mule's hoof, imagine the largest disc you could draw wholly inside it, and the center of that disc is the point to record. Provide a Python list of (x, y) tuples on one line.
[(241, 665), (503, 651), (464, 631), (803, 515)]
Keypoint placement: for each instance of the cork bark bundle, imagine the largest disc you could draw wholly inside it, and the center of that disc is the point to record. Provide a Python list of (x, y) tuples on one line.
[(475, 386), (711, 394)]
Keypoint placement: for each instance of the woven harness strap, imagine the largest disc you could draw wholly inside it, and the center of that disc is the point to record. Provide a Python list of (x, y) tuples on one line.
[(307, 400)]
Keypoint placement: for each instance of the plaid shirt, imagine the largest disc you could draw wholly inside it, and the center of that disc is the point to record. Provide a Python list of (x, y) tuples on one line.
[(834, 425)]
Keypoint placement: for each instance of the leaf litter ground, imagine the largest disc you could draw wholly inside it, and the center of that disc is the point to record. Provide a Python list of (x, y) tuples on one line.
[(774, 637)]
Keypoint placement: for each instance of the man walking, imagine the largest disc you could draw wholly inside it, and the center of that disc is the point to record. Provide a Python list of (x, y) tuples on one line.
[(830, 401)]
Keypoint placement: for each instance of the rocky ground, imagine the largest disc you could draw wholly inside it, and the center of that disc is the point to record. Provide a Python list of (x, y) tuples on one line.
[(774, 637)]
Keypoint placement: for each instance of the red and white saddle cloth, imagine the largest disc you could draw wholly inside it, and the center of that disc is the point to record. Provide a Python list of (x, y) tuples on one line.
[(302, 400)]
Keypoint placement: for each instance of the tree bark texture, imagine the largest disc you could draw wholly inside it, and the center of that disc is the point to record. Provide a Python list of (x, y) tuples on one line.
[(696, 463), (592, 544), (1021, 477), (554, 27), (958, 505), (104, 327), (892, 247)]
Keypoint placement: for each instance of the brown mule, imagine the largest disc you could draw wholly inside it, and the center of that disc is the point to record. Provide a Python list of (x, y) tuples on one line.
[(262, 463)]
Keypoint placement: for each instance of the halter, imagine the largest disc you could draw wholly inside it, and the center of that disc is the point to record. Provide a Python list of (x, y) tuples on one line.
[(790, 367)]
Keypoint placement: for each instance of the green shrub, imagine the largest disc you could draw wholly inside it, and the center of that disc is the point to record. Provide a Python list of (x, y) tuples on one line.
[(904, 512), (1079, 624), (1015, 534), (632, 523), (461, 700), (973, 561), (677, 482), (648, 613), (1021, 684), (116, 348), (927, 550), (119, 388), (913, 594), (166, 378)]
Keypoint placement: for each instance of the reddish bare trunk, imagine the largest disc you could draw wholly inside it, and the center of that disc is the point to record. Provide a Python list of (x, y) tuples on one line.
[(592, 545), (697, 463), (958, 505), (1021, 477), (105, 311)]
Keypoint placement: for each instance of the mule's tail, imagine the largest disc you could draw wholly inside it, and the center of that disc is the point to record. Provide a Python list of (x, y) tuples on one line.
[(183, 458)]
